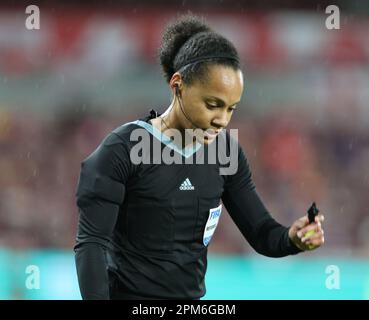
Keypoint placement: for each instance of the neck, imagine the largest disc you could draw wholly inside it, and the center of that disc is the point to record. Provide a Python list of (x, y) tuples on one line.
[(173, 118)]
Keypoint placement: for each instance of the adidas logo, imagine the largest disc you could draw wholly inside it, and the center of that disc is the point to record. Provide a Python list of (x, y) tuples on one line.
[(186, 185)]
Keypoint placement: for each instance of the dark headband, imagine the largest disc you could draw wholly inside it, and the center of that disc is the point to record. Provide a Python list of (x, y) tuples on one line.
[(204, 58)]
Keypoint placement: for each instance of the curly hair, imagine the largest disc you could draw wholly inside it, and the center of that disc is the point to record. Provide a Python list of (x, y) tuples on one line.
[(189, 38)]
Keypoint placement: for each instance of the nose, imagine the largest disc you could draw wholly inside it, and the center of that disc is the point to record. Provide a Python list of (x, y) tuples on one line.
[(221, 120)]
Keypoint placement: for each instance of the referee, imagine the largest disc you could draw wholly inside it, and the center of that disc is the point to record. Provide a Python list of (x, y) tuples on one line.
[(144, 228)]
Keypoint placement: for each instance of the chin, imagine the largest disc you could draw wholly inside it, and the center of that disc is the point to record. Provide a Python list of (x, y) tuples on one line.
[(205, 140)]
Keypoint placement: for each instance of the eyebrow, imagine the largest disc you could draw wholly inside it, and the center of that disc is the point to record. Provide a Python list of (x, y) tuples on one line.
[(220, 101)]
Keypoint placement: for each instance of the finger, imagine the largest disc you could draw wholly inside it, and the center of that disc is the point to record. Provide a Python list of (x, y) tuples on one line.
[(312, 233), (311, 228), (302, 222), (319, 218), (316, 242), (316, 235), (316, 238)]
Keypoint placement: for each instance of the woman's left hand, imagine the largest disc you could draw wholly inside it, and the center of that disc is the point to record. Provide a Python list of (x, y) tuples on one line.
[(307, 236)]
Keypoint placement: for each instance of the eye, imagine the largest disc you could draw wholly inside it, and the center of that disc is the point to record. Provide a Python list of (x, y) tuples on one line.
[(232, 109), (210, 106)]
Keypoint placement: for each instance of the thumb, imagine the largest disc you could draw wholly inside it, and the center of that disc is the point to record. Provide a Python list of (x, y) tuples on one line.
[(300, 223)]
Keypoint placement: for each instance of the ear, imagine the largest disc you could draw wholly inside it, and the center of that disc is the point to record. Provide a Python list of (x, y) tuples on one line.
[(175, 82)]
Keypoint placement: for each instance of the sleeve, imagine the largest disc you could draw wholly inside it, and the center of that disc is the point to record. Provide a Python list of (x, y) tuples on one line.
[(246, 209), (100, 192)]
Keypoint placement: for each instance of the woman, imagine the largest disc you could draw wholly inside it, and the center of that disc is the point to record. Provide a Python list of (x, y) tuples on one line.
[(145, 226)]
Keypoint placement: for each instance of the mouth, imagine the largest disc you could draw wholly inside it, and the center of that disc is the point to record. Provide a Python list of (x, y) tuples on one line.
[(210, 133)]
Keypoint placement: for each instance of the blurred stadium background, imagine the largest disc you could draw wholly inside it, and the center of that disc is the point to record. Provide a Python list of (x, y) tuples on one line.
[(303, 122)]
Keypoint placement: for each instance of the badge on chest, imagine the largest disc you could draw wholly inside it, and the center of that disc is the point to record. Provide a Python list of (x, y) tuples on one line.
[(211, 224)]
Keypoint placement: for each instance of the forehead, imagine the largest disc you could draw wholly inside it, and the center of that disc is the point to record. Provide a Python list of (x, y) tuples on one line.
[(223, 82)]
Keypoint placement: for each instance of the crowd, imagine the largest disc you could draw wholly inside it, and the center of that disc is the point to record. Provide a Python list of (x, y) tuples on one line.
[(294, 160)]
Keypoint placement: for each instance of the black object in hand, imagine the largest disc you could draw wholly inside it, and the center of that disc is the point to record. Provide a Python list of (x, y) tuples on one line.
[(312, 212)]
